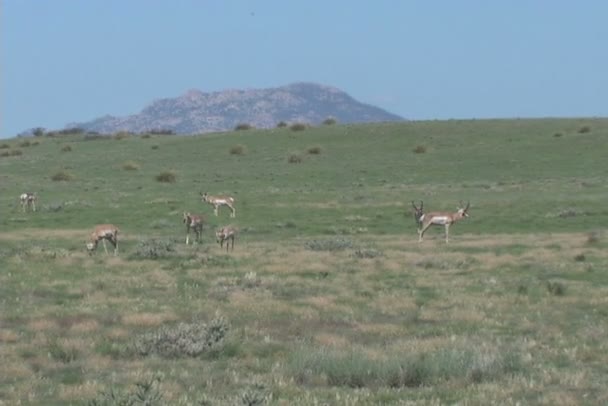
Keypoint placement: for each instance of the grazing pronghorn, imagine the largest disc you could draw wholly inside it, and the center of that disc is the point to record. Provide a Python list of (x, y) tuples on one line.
[(217, 201), (441, 218), (225, 234), (28, 200), (103, 232), (194, 223), (418, 213)]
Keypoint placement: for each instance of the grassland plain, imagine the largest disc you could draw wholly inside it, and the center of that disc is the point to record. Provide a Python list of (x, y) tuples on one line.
[(327, 298)]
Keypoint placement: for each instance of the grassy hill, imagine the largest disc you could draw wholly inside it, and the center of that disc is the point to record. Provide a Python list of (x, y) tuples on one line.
[(327, 297)]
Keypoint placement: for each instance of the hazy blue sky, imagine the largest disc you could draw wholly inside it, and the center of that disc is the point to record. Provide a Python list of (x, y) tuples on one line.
[(74, 60)]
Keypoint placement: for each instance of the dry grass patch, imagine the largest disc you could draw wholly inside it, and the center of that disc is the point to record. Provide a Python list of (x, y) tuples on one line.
[(8, 336), (147, 319), (42, 325)]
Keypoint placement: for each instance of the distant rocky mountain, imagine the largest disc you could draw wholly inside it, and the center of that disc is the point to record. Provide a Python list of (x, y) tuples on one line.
[(198, 112)]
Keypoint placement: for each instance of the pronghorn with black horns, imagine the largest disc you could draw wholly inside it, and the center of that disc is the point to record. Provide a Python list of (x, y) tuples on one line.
[(442, 218), (102, 233), (220, 200), (194, 223), (418, 213)]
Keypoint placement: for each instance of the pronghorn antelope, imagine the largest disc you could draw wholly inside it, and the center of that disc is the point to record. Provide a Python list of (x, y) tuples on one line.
[(217, 201), (441, 218), (28, 200), (103, 232), (226, 234), (418, 213), (194, 223)]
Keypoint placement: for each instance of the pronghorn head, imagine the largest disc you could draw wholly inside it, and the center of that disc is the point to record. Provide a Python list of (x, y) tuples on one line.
[(464, 212), (186, 217), (418, 211), (90, 247), (204, 196)]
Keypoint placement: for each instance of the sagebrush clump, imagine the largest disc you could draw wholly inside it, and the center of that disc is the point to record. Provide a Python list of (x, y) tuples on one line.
[(183, 339)]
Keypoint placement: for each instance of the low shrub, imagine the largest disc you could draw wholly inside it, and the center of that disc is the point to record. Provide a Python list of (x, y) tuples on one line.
[(66, 148), (238, 149), (419, 149), (298, 127), (154, 248), (364, 253), (130, 166), (584, 129), (62, 176), (166, 177), (4, 146), (281, 124), (314, 150), (330, 121), (294, 158), (334, 244), (184, 339), (243, 126), (556, 288)]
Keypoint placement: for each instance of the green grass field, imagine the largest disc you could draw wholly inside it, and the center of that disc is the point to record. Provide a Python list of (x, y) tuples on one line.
[(328, 298)]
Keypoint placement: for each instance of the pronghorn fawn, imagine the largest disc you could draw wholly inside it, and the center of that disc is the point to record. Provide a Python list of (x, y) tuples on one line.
[(28, 200), (226, 234), (418, 213), (194, 223), (103, 232), (218, 201), (441, 218)]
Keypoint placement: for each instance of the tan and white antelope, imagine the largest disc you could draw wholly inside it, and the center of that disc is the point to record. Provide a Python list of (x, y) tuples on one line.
[(441, 218), (103, 232), (194, 223), (28, 200), (225, 234), (418, 213), (218, 201)]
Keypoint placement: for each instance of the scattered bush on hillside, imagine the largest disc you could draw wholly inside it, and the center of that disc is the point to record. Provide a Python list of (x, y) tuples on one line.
[(4, 146), (556, 288), (243, 126), (154, 248), (366, 253), (330, 121), (95, 137), (66, 148), (419, 149), (161, 131), (155, 146), (281, 124), (584, 129), (145, 136), (557, 135), (298, 127), (12, 152), (334, 244), (184, 339), (25, 144), (166, 177), (62, 176), (38, 132), (314, 150), (238, 149), (145, 393), (294, 158), (121, 135), (130, 166)]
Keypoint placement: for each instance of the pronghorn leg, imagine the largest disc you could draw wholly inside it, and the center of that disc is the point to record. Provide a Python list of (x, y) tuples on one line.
[(34, 205), (447, 233), (187, 236), (422, 231), (215, 210), (233, 214), (104, 245)]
